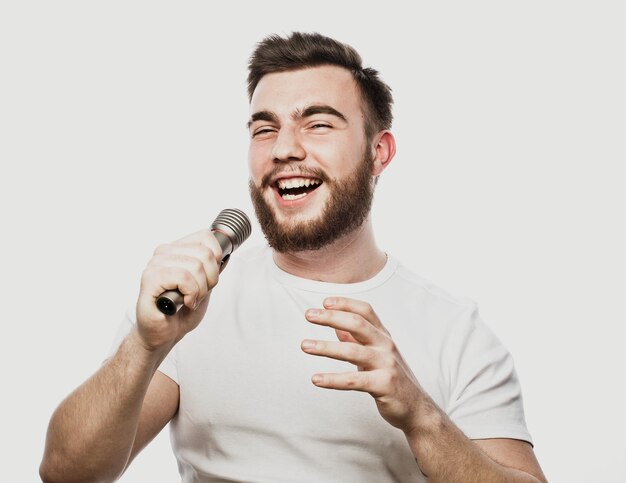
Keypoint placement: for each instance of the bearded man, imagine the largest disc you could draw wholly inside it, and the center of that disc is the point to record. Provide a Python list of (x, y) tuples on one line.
[(319, 357)]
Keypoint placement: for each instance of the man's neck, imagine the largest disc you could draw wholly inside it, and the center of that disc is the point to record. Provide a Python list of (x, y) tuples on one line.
[(353, 258)]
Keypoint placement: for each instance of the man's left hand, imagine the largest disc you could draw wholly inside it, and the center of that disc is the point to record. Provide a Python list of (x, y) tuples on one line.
[(364, 342)]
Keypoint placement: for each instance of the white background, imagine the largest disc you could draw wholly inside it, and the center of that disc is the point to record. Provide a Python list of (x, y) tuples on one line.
[(122, 125)]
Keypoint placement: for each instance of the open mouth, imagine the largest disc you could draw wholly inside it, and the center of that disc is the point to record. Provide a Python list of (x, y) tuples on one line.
[(296, 188)]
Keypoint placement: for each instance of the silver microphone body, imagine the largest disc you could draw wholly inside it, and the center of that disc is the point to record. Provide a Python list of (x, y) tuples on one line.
[(231, 228)]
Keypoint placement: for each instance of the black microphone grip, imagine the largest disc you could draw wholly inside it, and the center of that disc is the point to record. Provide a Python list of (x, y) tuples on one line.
[(231, 228)]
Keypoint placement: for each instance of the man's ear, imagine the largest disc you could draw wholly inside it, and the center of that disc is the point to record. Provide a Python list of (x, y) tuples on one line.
[(384, 151)]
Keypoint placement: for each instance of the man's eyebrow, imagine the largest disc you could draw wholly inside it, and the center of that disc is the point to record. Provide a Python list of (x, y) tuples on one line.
[(298, 114), (320, 109), (262, 116)]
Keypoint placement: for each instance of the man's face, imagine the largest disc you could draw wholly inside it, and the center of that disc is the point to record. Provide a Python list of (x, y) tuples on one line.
[(310, 165)]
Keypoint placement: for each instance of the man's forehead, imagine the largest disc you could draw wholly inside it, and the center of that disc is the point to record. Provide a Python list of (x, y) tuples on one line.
[(296, 89)]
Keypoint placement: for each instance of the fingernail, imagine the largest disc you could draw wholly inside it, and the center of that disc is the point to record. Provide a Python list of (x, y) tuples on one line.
[(317, 379), (313, 313), (308, 344), (329, 302)]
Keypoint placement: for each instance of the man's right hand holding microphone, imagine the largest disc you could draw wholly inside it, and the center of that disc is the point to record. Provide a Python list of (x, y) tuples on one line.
[(99, 428), (192, 266)]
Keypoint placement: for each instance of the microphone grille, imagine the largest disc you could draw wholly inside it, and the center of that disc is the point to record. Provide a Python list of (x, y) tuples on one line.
[(235, 223)]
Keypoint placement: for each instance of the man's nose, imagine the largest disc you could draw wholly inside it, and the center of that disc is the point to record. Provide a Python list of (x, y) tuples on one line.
[(287, 146)]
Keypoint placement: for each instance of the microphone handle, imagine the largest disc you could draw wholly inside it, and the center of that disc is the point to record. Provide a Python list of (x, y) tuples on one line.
[(171, 301)]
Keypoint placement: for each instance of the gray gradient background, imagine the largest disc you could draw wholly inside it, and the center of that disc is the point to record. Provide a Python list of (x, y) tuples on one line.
[(122, 125)]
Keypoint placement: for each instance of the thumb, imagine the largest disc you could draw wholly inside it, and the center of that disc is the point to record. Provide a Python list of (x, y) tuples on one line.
[(345, 336)]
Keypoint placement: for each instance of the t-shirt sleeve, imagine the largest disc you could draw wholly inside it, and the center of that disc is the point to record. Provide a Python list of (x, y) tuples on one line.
[(167, 367), (486, 398)]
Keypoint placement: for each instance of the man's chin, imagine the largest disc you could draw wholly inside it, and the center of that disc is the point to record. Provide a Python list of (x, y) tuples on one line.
[(296, 224), (295, 218), (289, 231)]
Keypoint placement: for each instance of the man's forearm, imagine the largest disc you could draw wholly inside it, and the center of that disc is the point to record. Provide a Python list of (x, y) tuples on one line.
[(445, 454), (91, 433)]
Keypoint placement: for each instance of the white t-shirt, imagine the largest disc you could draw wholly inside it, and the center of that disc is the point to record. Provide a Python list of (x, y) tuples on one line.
[(249, 412)]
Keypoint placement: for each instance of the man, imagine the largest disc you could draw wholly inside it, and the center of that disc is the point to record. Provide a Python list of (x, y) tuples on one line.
[(320, 359)]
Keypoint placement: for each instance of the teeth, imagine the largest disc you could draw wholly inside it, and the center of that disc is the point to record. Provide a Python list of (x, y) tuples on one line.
[(293, 197), (297, 183)]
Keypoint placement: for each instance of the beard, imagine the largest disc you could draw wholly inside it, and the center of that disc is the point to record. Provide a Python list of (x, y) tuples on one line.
[(347, 208)]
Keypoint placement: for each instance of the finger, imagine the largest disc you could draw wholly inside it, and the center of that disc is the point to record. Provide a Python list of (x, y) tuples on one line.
[(344, 336), (205, 238), (206, 274), (156, 280), (359, 307), (360, 329), (365, 381), (205, 256), (357, 354)]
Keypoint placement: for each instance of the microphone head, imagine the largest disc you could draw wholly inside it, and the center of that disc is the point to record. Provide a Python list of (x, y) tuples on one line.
[(235, 224)]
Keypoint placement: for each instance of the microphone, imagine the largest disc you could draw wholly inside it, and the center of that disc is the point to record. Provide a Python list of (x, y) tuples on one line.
[(231, 228)]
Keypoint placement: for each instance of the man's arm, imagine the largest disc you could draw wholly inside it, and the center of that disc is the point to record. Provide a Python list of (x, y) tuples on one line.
[(442, 451), (159, 406), (512, 453), (445, 454), (100, 427), (96, 429)]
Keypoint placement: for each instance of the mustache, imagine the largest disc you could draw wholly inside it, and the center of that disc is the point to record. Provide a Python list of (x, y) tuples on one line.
[(293, 170)]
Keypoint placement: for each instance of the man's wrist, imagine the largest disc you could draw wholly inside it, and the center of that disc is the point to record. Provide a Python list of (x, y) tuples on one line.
[(145, 354), (428, 419)]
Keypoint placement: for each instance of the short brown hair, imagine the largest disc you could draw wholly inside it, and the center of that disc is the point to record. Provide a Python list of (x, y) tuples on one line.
[(301, 50)]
